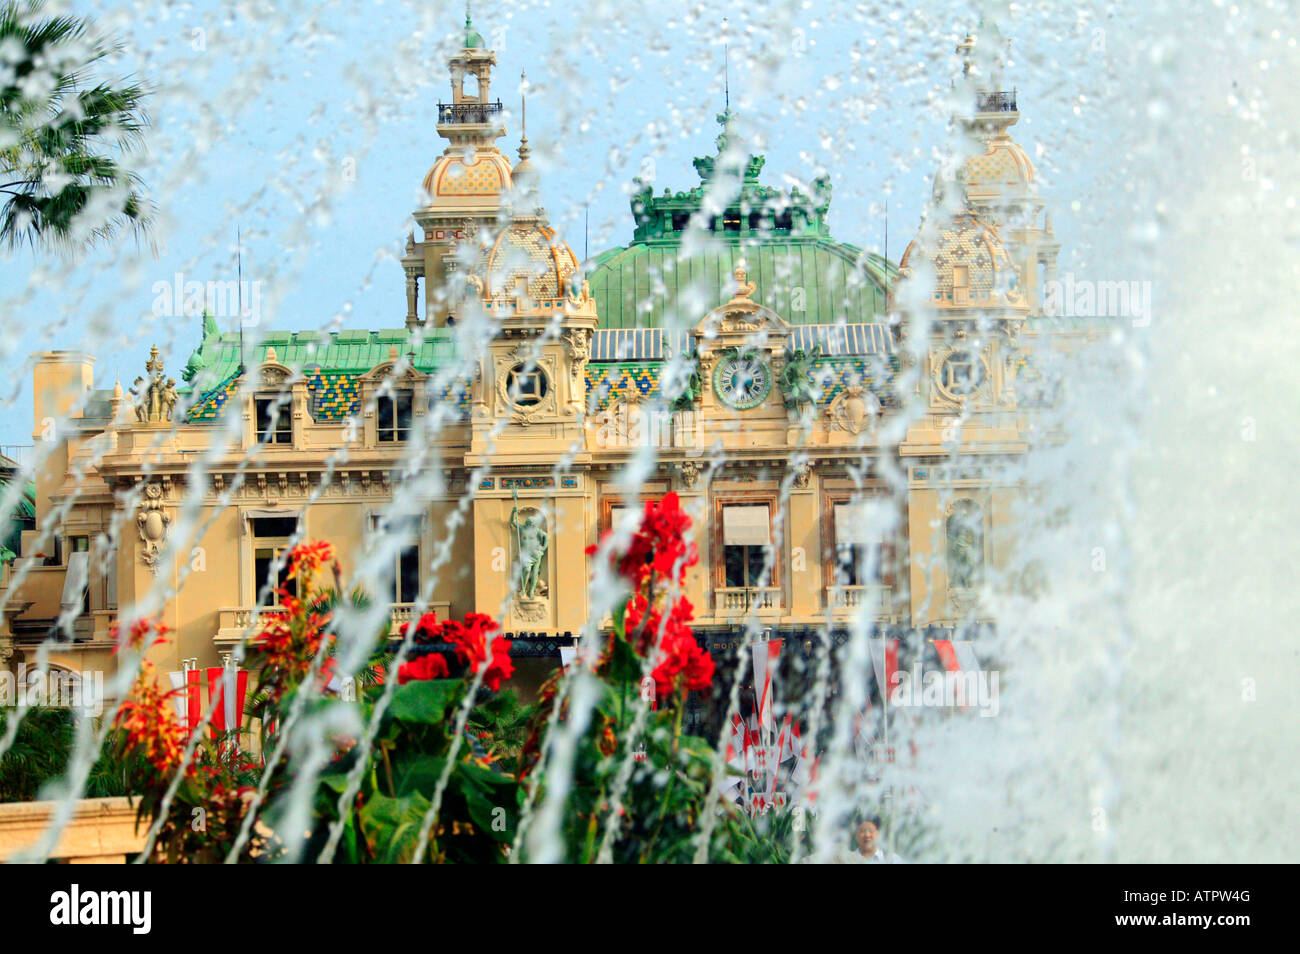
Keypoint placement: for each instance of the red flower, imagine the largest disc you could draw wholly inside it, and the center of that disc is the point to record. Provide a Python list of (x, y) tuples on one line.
[(471, 645), (432, 666), (684, 665), (469, 641), (643, 623), (306, 559), (151, 725), (143, 634), (658, 547), (426, 629)]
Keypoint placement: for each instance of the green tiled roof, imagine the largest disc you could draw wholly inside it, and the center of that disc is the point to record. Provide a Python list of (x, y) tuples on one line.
[(352, 352), (828, 289), (335, 395), (805, 281), (781, 236)]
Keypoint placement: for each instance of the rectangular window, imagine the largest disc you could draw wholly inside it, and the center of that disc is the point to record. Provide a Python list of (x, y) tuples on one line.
[(274, 422), (862, 556), (80, 544), (393, 416), (271, 539), (275, 526), (404, 586), (110, 579), (616, 512), (746, 534), (264, 560), (408, 575), (960, 284)]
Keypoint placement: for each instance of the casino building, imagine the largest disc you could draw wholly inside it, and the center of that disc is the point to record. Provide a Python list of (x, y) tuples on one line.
[(749, 350)]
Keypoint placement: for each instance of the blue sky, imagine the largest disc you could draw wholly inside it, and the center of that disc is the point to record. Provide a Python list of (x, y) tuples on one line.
[(310, 127)]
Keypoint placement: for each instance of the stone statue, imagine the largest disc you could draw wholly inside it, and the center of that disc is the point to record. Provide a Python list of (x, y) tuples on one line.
[(531, 544), (168, 397), (796, 379), (139, 392), (154, 398), (965, 547), (692, 389)]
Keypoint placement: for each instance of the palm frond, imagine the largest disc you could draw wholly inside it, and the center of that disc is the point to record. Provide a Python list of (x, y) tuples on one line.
[(64, 137)]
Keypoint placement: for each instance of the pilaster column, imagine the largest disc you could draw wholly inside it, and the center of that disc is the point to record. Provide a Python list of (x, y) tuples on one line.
[(412, 297)]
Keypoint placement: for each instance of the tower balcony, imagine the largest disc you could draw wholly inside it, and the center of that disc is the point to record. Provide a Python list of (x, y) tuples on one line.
[(997, 101), (469, 114)]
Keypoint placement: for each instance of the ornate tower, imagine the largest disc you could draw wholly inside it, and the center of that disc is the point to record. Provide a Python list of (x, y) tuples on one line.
[(527, 415), (995, 180), (464, 187), (969, 284)]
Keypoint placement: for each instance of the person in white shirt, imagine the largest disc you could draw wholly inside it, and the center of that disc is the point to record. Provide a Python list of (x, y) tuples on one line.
[(868, 842)]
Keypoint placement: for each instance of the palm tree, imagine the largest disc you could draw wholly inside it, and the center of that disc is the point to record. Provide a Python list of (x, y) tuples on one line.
[(64, 134)]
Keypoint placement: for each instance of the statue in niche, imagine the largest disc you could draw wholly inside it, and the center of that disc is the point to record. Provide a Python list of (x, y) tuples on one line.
[(965, 535), (531, 543)]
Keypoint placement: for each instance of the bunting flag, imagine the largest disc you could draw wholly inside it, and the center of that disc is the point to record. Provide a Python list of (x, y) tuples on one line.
[(737, 752), (766, 655), (766, 776)]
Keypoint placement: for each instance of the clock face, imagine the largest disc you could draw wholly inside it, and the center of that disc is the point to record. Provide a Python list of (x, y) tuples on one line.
[(742, 381)]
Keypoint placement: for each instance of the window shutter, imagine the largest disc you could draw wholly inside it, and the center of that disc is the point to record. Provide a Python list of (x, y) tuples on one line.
[(75, 580), (746, 526), (858, 523), (251, 514)]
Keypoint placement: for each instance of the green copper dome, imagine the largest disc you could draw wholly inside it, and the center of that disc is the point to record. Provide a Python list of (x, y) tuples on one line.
[(781, 238), (473, 39)]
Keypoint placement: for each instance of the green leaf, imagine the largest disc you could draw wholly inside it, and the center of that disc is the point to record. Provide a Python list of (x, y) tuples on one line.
[(416, 773), (490, 798), (625, 664), (392, 826), (426, 702)]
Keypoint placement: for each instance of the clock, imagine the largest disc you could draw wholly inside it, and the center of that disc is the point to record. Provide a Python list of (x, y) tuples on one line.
[(742, 380)]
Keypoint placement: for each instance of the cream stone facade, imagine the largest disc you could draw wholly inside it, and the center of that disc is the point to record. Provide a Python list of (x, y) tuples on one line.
[(776, 412)]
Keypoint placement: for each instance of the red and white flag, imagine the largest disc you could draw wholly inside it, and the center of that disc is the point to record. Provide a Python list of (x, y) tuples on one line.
[(884, 663), (187, 698), (228, 686), (766, 655), (958, 655)]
